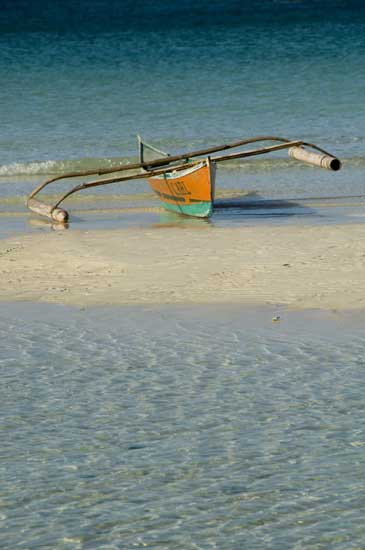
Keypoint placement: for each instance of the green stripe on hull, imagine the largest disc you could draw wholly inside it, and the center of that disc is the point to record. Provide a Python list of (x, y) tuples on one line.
[(201, 209)]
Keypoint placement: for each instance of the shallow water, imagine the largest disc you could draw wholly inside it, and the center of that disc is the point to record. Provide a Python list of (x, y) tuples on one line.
[(181, 428), (245, 210)]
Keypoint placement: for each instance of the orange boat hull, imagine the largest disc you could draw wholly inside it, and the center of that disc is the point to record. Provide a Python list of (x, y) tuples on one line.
[(189, 191)]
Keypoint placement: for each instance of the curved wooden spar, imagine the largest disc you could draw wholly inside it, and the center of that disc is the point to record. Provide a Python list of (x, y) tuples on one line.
[(163, 161), (59, 215), (166, 164)]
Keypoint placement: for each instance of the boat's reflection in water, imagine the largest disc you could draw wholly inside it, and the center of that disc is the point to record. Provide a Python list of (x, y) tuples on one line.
[(47, 224), (239, 210), (172, 219)]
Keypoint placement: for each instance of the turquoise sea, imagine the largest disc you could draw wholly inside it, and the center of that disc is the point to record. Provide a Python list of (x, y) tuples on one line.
[(181, 428), (79, 81)]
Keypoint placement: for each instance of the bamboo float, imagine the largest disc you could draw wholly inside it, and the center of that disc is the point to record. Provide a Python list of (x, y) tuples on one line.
[(323, 161), (60, 215), (165, 165), (52, 212)]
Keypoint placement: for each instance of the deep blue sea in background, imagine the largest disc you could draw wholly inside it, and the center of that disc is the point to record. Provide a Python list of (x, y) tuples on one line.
[(80, 80), (181, 428)]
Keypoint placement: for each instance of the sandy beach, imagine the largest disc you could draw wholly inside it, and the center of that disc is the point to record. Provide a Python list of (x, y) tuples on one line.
[(298, 267)]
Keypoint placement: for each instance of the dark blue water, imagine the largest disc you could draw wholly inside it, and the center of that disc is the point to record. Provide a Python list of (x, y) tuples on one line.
[(181, 428), (80, 80)]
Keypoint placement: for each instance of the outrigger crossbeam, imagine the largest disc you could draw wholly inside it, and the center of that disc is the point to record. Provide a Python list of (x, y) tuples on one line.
[(167, 164)]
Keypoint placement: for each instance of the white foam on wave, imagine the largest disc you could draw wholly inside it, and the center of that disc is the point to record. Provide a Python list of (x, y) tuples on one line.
[(53, 167), (29, 168)]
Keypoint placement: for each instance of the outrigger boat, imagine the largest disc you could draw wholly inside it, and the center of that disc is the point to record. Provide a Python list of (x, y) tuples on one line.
[(189, 191), (184, 183)]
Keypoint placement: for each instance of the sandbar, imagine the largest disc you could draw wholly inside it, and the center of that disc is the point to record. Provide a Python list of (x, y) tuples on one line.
[(300, 267)]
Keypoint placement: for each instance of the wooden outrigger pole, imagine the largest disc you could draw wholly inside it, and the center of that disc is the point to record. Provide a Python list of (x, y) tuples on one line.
[(176, 163)]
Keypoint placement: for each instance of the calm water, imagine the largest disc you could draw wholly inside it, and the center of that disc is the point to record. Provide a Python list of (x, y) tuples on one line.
[(181, 428), (79, 81), (193, 427)]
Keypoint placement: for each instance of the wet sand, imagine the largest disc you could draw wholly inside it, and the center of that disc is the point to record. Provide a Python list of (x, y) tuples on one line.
[(297, 267)]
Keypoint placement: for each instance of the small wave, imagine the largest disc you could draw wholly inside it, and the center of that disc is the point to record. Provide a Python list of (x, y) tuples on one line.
[(257, 165), (55, 167), (270, 164)]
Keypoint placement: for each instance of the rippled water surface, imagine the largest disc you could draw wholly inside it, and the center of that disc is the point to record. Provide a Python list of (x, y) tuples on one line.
[(181, 428)]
